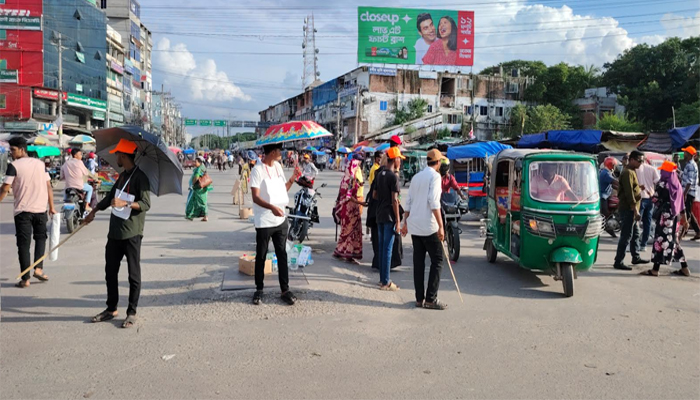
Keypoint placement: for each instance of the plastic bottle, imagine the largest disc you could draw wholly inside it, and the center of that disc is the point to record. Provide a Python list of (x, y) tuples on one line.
[(274, 263)]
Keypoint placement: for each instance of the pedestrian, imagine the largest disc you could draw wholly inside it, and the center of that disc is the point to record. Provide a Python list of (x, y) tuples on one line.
[(630, 197), (423, 219), (75, 174), (648, 176), (606, 183), (240, 164), (388, 217), (269, 187), (670, 222), (130, 201), (690, 182), (92, 163), (375, 166), (33, 197), (348, 207), (197, 198)]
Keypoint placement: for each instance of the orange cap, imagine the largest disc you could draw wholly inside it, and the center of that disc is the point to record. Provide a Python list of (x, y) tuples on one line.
[(435, 155), (393, 152), (307, 156), (125, 146), (668, 166), (691, 150)]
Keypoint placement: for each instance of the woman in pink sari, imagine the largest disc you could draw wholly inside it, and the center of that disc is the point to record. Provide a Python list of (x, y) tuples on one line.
[(349, 210)]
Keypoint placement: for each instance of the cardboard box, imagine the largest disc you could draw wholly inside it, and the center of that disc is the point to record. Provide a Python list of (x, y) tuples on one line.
[(246, 213), (246, 265)]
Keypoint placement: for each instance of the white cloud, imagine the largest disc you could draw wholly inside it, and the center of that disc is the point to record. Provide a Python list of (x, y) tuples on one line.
[(676, 25), (204, 80)]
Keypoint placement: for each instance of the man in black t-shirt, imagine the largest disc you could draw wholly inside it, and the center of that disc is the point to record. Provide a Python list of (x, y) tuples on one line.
[(388, 217)]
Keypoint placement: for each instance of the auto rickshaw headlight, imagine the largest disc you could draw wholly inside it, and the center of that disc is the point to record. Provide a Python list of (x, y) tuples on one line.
[(545, 227)]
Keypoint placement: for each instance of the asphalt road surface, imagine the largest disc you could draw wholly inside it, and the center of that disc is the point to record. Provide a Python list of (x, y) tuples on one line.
[(516, 336)]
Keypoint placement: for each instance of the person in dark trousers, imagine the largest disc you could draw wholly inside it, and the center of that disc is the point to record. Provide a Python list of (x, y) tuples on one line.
[(130, 200), (33, 196), (424, 221), (690, 182), (388, 217), (371, 222), (630, 197), (269, 189)]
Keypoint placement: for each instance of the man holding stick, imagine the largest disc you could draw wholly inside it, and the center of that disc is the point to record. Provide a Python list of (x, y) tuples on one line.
[(31, 187), (130, 200)]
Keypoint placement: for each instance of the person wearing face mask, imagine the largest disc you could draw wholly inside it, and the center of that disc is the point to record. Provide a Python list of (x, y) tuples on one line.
[(448, 180)]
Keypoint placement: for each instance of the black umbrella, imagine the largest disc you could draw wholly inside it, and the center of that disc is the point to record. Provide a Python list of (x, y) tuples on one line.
[(153, 157)]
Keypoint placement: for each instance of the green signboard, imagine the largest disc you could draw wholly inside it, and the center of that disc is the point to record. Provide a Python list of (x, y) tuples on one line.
[(81, 101), (190, 122), (204, 122), (8, 76), (219, 122), (99, 115), (17, 19), (415, 36)]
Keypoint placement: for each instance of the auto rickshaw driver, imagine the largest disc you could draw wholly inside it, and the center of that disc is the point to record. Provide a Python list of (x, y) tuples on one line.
[(550, 186)]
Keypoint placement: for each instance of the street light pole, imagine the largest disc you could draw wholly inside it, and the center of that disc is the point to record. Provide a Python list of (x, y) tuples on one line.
[(59, 117)]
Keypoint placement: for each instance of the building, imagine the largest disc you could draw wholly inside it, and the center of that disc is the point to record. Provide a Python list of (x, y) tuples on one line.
[(361, 104), (167, 118), (595, 103), (115, 78)]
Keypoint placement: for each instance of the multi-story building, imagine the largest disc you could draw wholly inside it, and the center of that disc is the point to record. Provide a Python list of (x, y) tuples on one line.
[(167, 118), (361, 104), (115, 78), (597, 102)]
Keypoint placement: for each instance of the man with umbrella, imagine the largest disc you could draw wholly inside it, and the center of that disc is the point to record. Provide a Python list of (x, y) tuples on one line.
[(130, 200)]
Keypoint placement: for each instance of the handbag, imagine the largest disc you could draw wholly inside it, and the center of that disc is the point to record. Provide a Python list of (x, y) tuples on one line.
[(204, 181)]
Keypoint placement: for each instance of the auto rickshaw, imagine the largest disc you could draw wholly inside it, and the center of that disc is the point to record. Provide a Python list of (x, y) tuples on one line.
[(544, 212), (414, 163)]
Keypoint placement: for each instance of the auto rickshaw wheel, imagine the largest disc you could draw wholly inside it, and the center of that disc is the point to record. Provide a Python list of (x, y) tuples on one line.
[(491, 252), (567, 278)]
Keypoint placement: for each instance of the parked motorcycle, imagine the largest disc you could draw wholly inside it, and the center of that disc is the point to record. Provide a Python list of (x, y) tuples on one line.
[(304, 213), (452, 209), (612, 223)]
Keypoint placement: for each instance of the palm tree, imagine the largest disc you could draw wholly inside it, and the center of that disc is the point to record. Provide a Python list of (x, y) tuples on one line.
[(592, 73)]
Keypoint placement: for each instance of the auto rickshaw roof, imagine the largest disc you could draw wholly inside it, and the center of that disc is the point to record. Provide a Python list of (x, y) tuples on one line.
[(514, 154)]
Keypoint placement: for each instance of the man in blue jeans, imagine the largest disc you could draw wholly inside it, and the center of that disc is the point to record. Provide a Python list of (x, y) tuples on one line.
[(630, 195), (388, 218), (647, 176)]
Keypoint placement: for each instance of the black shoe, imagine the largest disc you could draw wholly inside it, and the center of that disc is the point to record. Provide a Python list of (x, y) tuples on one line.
[(622, 267), (639, 260), (257, 297)]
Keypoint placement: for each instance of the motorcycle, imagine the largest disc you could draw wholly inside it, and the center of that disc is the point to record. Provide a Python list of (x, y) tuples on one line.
[(612, 224), (74, 205), (453, 207), (305, 211)]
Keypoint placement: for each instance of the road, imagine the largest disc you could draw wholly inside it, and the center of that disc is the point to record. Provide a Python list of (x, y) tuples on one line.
[(515, 336)]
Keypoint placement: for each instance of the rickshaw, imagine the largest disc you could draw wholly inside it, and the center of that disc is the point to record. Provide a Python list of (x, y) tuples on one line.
[(544, 212), (414, 163)]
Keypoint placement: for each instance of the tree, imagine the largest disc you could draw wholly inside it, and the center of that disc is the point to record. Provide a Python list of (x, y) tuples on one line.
[(414, 109), (537, 119), (686, 114), (620, 123)]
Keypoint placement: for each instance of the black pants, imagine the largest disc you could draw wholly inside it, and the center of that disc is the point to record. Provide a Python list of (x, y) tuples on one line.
[(28, 225), (629, 235), (396, 253), (430, 244), (278, 234), (688, 208), (114, 252)]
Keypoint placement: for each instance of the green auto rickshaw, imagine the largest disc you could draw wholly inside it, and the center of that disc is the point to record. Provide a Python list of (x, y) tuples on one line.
[(414, 163), (544, 212)]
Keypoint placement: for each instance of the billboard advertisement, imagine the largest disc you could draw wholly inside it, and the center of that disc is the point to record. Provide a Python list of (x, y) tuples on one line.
[(415, 36)]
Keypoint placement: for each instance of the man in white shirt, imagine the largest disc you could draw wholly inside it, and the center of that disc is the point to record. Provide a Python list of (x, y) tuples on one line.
[(423, 219), (647, 176), (426, 29), (269, 189)]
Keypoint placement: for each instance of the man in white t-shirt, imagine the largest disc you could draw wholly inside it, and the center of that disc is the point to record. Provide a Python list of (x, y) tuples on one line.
[(426, 29), (269, 188), (647, 176)]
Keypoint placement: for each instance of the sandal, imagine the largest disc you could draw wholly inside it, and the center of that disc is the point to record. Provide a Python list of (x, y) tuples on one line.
[(289, 298), (680, 272), (42, 277), (649, 272), (257, 297), (105, 315), (436, 305), (22, 284), (391, 287), (129, 321)]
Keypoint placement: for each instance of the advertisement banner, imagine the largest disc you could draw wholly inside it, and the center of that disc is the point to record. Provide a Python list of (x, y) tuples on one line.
[(48, 94), (415, 36), (382, 71), (81, 101), (116, 67), (190, 122), (99, 115), (19, 19), (8, 76)]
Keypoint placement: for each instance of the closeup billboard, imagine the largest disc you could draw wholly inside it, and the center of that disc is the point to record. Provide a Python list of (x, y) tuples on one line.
[(415, 36)]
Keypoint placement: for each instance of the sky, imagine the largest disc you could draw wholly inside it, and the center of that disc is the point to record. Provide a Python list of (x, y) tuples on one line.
[(226, 59)]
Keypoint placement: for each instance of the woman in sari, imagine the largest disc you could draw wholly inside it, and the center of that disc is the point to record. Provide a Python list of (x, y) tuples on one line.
[(670, 222), (349, 210), (197, 198)]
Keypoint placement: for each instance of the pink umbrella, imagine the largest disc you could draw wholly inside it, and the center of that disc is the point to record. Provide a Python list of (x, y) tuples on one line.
[(175, 149)]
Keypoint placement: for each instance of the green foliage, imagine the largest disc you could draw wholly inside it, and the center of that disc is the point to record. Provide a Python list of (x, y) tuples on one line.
[(686, 114), (443, 133), (620, 123), (217, 142), (527, 68), (414, 109), (537, 119)]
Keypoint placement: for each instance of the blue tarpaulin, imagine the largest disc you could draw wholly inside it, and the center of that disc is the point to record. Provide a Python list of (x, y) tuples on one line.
[(476, 150), (189, 151), (583, 140), (325, 93), (680, 136), (531, 141)]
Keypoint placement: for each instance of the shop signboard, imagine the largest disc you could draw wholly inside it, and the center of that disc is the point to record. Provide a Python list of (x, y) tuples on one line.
[(8, 76), (219, 122), (204, 122), (98, 115), (415, 36), (114, 117), (190, 122), (116, 67), (20, 19), (21, 126), (48, 94), (80, 101), (128, 66), (382, 71)]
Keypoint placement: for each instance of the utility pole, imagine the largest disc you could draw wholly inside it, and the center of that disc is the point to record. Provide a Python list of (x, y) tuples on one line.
[(339, 131), (59, 43)]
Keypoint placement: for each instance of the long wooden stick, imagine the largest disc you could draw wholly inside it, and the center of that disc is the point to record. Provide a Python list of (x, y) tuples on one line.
[(50, 251), (447, 257)]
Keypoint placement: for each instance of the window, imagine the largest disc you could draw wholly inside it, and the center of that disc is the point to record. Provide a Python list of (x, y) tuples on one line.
[(483, 110), (499, 111), (3, 102), (80, 57), (383, 105), (468, 110), (563, 182), (430, 108), (3, 64), (98, 55), (79, 47), (103, 4), (453, 119), (77, 15), (512, 87)]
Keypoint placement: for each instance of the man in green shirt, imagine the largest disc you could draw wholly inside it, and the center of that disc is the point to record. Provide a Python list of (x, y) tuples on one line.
[(630, 196), (130, 200)]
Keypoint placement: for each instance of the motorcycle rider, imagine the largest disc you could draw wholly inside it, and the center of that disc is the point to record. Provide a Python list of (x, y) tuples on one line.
[(308, 172), (448, 180), (607, 182), (75, 174)]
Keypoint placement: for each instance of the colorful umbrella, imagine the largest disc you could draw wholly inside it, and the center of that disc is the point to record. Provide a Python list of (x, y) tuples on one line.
[(82, 139), (189, 151), (366, 149), (175, 149), (382, 147), (310, 148), (344, 150), (361, 144), (295, 130), (40, 141)]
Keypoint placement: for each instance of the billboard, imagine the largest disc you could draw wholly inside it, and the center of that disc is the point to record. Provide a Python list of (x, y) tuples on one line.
[(415, 36)]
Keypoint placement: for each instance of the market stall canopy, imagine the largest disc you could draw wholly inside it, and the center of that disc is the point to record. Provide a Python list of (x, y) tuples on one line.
[(658, 142), (295, 130), (44, 151), (189, 151), (680, 136), (621, 141), (579, 140), (475, 150), (532, 141)]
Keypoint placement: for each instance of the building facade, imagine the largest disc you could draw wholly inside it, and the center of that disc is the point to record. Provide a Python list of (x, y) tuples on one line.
[(115, 78)]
